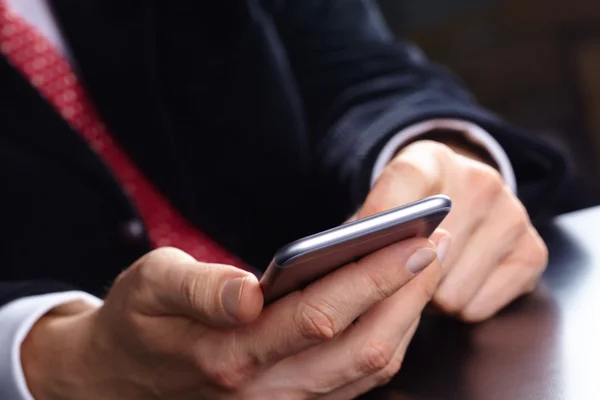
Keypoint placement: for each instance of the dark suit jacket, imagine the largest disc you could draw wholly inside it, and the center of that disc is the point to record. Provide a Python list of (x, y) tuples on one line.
[(259, 120)]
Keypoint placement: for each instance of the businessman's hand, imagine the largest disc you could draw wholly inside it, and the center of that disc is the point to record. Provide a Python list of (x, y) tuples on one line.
[(496, 254), (174, 328)]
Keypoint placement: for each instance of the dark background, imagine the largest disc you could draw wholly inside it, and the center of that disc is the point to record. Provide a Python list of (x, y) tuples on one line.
[(535, 62)]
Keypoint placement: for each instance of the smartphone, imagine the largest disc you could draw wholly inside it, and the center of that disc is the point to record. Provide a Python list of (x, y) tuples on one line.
[(303, 261)]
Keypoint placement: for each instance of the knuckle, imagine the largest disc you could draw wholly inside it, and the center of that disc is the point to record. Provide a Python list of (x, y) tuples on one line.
[(520, 218), (404, 167), (516, 204), (541, 254), (451, 302), (229, 375), (489, 175), (375, 357), (150, 271), (389, 372), (157, 261), (516, 227), (485, 194), (485, 177), (380, 285), (164, 255), (438, 149), (537, 254), (316, 323)]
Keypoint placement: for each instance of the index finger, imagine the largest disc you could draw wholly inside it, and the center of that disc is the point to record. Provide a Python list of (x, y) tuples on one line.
[(328, 306)]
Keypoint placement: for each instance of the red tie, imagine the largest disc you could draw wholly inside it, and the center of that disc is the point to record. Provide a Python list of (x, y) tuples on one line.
[(34, 56)]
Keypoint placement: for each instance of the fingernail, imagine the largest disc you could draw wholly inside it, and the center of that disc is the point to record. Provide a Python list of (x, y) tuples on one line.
[(230, 296), (443, 246), (420, 259)]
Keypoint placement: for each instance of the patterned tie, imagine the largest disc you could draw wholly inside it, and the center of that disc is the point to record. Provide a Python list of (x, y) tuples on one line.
[(35, 58)]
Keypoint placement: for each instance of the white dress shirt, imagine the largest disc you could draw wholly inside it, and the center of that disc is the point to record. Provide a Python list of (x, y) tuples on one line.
[(17, 317)]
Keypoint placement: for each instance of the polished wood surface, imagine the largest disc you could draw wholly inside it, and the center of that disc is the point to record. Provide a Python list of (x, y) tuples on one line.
[(545, 346)]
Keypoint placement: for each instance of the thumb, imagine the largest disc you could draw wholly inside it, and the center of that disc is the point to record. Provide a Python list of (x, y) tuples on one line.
[(173, 282)]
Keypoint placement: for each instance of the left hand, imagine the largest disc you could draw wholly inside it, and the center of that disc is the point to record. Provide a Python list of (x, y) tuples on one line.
[(496, 254)]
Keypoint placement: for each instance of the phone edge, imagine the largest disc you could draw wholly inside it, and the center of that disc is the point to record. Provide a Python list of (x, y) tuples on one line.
[(299, 247)]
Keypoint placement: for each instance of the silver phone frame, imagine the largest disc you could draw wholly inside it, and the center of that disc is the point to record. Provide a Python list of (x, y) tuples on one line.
[(365, 228)]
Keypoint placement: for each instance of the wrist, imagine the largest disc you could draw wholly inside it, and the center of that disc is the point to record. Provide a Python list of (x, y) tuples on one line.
[(55, 355)]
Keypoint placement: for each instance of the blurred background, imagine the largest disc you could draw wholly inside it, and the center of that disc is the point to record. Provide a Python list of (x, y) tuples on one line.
[(535, 62)]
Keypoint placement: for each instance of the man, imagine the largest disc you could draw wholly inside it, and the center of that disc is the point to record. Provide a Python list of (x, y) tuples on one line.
[(226, 128)]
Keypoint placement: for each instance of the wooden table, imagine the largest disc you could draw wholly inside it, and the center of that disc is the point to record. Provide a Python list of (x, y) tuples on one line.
[(545, 346)]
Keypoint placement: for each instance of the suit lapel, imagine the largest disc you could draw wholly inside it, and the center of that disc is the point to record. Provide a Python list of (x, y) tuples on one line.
[(111, 46), (127, 50), (113, 43), (26, 117)]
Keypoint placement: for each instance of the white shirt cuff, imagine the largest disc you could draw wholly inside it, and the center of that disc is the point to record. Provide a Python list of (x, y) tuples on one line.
[(471, 131), (16, 320)]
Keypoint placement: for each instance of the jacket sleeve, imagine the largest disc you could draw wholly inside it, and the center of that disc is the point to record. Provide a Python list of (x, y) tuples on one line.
[(10, 291), (360, 86)]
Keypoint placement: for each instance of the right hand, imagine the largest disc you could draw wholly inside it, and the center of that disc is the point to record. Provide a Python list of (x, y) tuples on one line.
[(174, 328)]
